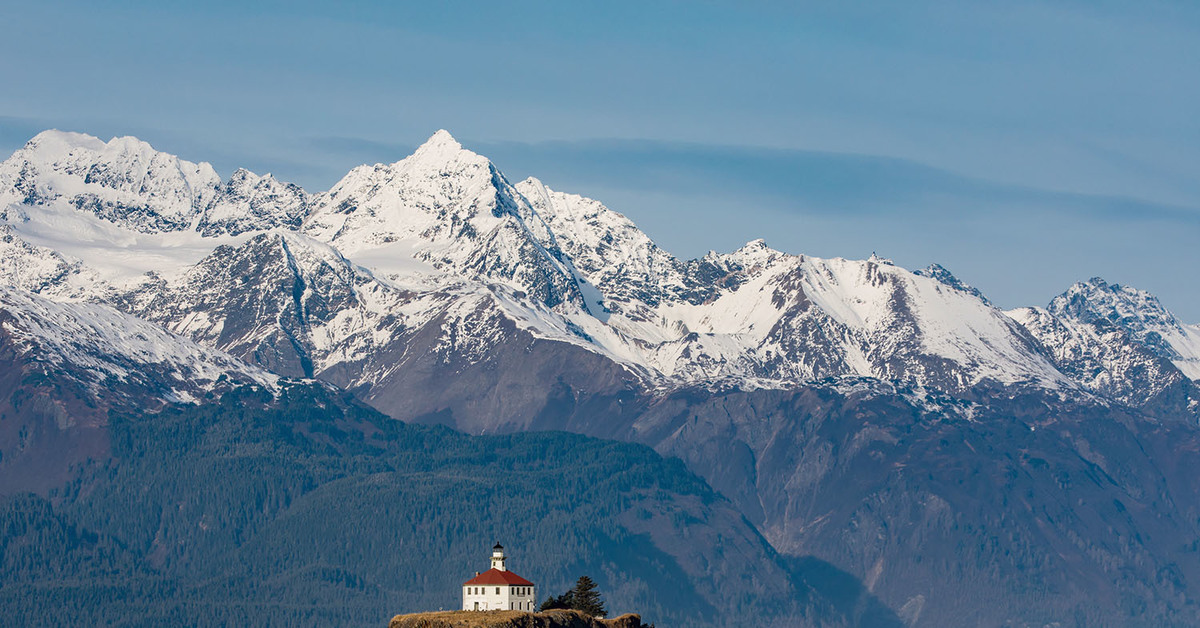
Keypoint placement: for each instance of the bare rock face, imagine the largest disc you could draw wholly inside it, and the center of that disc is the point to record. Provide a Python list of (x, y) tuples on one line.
[(512, 619)]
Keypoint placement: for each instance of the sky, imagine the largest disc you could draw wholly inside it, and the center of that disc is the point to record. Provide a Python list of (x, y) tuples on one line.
[(1022, 145)]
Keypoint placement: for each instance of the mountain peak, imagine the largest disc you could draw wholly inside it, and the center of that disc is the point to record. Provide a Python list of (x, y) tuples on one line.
[(1096, 301), (440, 154), (940, 274), (1096, 298), (756, 249), (124, 181), (440, 142), (55, 141), (757, 244), (53, 145)]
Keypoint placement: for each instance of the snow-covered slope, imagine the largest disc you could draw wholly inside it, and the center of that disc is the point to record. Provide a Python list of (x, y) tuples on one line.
[(443, 210), (39, 269), (765, 318), (629, 271), (112, 352), (118, 210), (440, 246), (269, 299), (1105, 359), (1139, 313), (249, 202), (788, 318), (124, 181)]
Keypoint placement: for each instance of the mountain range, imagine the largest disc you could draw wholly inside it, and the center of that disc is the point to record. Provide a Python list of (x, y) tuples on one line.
[(969, 465)]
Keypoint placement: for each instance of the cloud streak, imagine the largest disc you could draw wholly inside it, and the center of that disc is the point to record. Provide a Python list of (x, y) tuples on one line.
[(809, 182)]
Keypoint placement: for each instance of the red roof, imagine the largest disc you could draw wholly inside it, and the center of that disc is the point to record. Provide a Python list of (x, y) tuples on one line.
[(495, 576)]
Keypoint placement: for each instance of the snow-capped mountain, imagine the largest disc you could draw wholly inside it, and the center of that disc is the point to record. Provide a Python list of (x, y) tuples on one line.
[(113, 215), (1106, 359), (249, 202), (1117, 341), (443, 211), (304, 285), (765, 318), (124, 181), (1137, 312), (852, 409)]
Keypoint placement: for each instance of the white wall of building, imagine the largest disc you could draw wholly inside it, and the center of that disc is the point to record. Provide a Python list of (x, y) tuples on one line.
[(494, 597)]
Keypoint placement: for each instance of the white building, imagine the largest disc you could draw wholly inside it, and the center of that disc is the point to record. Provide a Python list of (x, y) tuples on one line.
[(498, 588)]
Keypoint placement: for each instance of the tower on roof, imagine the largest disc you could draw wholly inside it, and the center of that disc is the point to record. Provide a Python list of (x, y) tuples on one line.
[(498, 557), (498, 588)]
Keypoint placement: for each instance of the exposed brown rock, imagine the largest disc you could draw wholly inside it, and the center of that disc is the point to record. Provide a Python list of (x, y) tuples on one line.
[(512, 619)]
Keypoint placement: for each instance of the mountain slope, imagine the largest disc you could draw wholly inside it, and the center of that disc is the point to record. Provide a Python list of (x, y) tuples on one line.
[(124, 181), (1014, 513), (1105, 358), (448, 209), (1137, 312), (306, 509), (109, 351), (64, 366)]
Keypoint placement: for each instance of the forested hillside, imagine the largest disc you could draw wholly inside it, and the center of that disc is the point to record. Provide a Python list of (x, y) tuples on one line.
[(312, 510)]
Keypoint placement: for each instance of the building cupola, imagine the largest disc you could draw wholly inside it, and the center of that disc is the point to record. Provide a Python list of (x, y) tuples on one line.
[(498, 557)]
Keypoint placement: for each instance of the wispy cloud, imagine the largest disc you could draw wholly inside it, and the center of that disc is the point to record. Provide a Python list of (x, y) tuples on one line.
[(359, 150), (809, 182)]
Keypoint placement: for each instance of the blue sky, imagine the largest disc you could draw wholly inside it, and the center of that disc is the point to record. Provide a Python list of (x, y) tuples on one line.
[(1023, 145)]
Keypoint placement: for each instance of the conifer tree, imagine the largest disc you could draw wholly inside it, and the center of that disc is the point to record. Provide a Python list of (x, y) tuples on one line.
[(585, 597), (557, 601)]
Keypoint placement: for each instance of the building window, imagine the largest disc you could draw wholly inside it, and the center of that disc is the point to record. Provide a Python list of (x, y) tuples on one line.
[(497, 590)]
